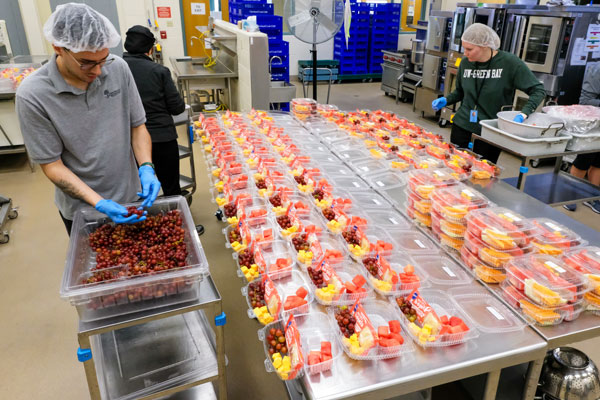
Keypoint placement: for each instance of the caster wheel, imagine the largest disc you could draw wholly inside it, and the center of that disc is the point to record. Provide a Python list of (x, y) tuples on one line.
[(404, 100), (443, 123), (4, 238), (371, 80), (534, 163), (13, 213), (386, 94), (219, 215), (422, 114), (565, 166)]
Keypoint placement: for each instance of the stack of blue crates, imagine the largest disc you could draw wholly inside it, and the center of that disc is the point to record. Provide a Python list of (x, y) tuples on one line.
[(385, 25), (353, 60), (374, 27), (272, 26)]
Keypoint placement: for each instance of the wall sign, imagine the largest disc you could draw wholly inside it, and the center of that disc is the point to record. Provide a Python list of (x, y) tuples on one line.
[(163, 12), (198, 8)]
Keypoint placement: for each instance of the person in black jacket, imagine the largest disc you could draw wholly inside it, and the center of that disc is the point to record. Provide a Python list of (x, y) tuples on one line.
[(161, 100)]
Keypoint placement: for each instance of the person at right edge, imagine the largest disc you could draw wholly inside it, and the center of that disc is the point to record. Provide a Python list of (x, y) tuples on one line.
[(588, 164), (486, 81)]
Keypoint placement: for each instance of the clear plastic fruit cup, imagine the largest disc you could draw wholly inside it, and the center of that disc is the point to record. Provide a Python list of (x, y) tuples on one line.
[(547, 281), (500, 228), (439, 331), (553, 238), (413, 242), (424, 181), (490, 255), (303, 106), (418, 203), (387, 218), (277, 258), (369, 166), (386, 180), (373, 240), (537, 314), (587, 261), (347, 274), (402, 278), (455, 202), (378, 313)]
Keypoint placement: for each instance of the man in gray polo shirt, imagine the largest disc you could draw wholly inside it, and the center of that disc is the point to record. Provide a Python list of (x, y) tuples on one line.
[(83, 121)]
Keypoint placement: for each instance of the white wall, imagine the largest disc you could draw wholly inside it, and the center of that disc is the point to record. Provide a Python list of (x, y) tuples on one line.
[(404, 41), (33, 27), (301, 51), (136, 12)]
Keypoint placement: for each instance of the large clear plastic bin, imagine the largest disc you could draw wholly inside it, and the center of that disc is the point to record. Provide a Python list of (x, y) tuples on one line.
[(120, 296)]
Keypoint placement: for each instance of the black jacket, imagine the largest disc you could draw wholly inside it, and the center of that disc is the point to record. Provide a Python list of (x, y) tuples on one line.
[(159, 95)]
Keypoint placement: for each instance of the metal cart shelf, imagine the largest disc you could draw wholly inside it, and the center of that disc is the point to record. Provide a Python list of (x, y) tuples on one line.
[(113, 343)]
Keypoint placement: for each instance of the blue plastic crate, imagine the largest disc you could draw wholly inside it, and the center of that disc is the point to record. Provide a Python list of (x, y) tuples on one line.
[(352, 46), (354, 71), (284, 64), (270, 22), (254, 7), (279, 48), (273, 35), (280, 77)]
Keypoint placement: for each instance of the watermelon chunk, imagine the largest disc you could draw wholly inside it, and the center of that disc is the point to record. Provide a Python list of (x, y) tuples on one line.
[(350, 287), (383, 332), (301, 292), (314, 357), (326, 349), (394, 326), (359, 281)]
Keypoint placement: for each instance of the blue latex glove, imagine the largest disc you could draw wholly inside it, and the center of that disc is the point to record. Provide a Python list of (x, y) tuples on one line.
[(117, 212), (150, 185), (519, 118), (438, 104)]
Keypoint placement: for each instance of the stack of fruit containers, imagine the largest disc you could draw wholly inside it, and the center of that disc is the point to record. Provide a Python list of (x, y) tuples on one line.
[(449, 209), (554, 239), (544, 289), (494, 236), (421, 183), (303, 108), (586, 260)]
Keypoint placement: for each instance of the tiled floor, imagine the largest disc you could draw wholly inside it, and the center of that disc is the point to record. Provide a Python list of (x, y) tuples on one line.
[(38, 339)]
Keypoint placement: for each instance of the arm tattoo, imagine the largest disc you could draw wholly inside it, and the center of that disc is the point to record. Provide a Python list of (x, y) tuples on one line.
[(69, 189)]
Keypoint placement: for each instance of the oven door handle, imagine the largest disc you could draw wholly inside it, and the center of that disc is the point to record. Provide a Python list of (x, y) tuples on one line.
[(400, 78)]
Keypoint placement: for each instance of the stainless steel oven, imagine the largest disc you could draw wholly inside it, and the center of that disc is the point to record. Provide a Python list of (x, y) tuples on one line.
[(542, 43), (463, 17)]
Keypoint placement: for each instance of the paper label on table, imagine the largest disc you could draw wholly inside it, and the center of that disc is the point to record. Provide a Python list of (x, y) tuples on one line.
[(420, 244), (380, 184), (512, 217), (598, 253), (343, 172), (299, 18), (364, 168), (580, 52), (468, 193), (376, 202), (393, 221), (356, 184), (555, 267), (198, 8), (495, 313), (553, 226), (438, 172), (449, 272)]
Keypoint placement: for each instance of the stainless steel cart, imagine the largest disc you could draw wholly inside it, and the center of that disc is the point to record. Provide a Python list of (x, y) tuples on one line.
[(116, 365)]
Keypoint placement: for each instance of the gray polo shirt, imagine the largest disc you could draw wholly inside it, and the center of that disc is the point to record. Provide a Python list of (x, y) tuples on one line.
[(89, 130)]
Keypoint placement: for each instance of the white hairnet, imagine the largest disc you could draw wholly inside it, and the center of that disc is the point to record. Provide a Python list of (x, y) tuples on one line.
[(79, 27), (481, 35)]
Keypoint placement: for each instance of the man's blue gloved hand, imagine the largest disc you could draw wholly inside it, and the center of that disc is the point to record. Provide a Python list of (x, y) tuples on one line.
[(520, 118), (150, 185), (117, 212), (438, 104)]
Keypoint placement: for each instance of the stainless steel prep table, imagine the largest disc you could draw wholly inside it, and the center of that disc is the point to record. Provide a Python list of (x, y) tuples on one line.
[(423, 368), (587, 325), (192, 74), (554, 188)]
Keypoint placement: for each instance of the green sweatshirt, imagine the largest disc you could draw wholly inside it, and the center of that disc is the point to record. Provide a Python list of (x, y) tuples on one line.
[(500, 76)]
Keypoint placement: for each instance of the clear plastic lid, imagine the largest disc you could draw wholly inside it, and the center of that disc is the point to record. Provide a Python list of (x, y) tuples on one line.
[(585, 260), (425, 161), (387, 219), (346, 285), (351, 154), (490, 255), (413, 242), (553, 238), (373, 240), (315, 333), (446, 324), (536, 314), (335, 168), (333, 137), (500, 228), (349, 183), (303, 105), (319, 127), (442, 270), (368, 166), (378, 313), (386, 180), (418, 203), (454, 202), (488, 314), (547, 281), (398, 165), (369, 200), (424, 181), (277, 258)]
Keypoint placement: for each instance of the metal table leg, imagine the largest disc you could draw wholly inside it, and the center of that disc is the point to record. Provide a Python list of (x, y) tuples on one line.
[(89, 367), (522, 174), (491, 385), (531, 380)]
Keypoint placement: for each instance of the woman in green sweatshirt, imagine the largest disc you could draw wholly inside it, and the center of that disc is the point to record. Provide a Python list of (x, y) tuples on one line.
[(485, 82)]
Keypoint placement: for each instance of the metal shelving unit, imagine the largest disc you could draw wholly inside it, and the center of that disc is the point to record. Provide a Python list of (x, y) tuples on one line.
[(158, 352), (187, 183)]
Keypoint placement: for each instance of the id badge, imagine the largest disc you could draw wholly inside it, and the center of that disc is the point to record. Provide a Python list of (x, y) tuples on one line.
[(473, 116)]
